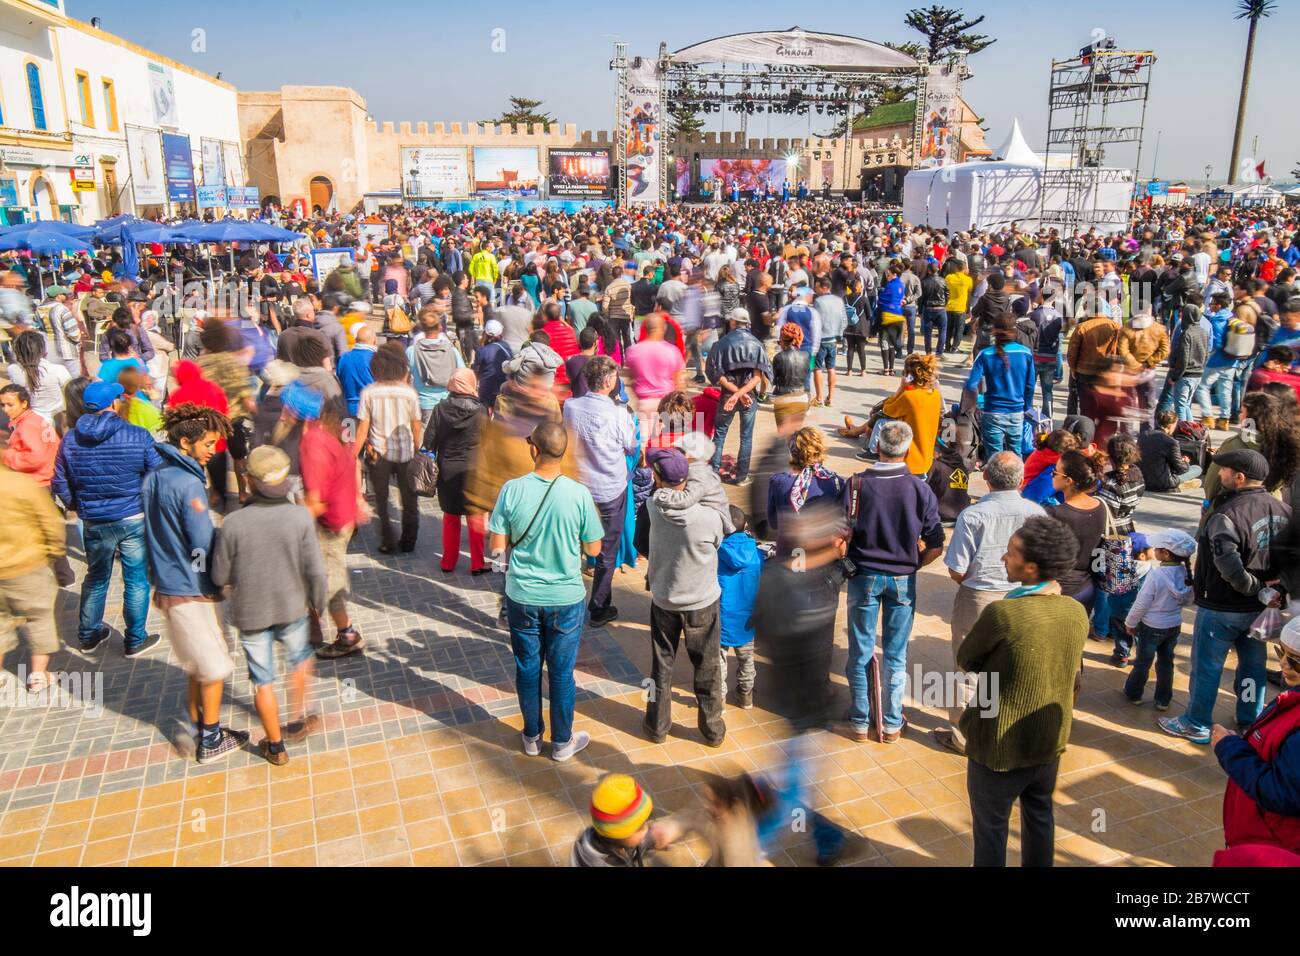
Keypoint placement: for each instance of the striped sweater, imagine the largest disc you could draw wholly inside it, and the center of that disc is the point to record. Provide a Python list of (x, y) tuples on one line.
[(1033, 647)]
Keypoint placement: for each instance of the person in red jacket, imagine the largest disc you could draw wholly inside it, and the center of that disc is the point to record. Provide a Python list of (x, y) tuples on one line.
[(193, 388), (562, 339), (33, 444), (1261, 807)]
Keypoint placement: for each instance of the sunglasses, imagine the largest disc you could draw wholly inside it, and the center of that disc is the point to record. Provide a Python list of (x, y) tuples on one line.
[(1284, 655)]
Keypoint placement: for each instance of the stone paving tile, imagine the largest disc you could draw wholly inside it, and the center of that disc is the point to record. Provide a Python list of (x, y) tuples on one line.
[(419, 761)]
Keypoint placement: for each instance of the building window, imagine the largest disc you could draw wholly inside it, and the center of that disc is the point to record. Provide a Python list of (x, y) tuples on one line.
[(110, 105), (84, 100), (34, 92)]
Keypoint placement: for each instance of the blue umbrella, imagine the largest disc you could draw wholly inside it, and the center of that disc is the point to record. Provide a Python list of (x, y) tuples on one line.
[(43, 242), (49, 226)]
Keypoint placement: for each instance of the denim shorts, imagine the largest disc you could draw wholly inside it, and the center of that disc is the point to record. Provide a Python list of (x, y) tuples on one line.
[(827, 349), (259, 648)]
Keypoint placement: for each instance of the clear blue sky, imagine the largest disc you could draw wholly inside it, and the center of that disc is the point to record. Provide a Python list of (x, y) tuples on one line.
[(425, 61)]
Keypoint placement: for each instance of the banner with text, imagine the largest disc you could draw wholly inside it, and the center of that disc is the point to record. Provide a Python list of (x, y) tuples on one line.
[(506, 172), (643, 128), (214, 166), (579, 173), (434, 172), (180, 167), (144, 156), (941, 121)]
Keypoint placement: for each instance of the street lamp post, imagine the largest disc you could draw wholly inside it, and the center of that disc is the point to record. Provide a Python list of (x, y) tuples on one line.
[(1208, 169)]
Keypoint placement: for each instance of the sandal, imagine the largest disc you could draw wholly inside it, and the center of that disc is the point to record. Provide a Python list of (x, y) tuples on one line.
[(37, 682), (297, 730), (275, 759)]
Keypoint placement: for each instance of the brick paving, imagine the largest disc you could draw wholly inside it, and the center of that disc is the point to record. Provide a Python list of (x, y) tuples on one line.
[(419, 761)]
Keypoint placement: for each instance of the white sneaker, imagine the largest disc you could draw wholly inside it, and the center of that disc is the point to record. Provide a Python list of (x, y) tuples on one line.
[(532, 745), (577, 742)]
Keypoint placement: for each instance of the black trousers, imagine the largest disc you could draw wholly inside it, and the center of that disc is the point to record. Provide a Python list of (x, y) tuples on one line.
[(855, 345), (612, 514), (992, 794), (381, 472), (702, 632), (468, 339), (624, 329)]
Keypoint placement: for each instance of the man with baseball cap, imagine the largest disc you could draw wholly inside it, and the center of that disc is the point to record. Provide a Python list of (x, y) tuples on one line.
[(682, 545), (1234, 564), (98, 474)]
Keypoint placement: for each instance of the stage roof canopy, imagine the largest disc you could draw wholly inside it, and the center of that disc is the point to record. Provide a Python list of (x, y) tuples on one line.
[(798, 48)]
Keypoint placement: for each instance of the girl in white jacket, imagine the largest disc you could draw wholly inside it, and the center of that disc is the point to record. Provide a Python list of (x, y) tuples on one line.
[(1156, 617)]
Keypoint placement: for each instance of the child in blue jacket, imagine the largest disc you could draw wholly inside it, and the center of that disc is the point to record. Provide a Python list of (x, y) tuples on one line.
[(740, 565)]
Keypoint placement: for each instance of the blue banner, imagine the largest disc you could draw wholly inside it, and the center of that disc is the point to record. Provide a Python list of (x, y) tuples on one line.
[(179, 163), (210, 196), (242, 197), (1158, 187)]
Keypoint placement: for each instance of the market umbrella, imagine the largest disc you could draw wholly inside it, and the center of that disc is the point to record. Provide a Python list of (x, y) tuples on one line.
[(42, 242), (49, 226)]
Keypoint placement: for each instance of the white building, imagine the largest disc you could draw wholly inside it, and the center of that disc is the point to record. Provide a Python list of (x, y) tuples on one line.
[(84, 116)]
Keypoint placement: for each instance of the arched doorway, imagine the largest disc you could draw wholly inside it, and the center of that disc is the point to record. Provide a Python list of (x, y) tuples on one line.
[(321, 194), (44, 202)]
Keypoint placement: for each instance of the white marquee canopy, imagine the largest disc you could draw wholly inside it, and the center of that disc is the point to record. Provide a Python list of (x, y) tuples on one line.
[(799, 48)]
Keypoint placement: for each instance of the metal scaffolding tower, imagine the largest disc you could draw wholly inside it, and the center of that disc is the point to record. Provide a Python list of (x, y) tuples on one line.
[(1096, 99)]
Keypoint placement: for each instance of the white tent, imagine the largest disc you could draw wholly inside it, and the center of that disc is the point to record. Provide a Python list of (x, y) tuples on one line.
[(991, 193)]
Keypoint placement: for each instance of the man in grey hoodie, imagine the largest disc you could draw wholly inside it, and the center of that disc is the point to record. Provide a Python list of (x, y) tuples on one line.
[(682, 546)]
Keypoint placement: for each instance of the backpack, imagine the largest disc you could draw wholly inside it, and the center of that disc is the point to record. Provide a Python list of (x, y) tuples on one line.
[(435, 361), (1239, 339), (399, 323)]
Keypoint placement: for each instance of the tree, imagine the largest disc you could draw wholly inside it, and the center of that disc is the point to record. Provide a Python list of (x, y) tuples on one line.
[(684, 116), (945, 32), (523, 112), (1254, 11)]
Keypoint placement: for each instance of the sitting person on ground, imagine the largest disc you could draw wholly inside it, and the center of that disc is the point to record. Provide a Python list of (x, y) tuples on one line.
[(1164, 466)]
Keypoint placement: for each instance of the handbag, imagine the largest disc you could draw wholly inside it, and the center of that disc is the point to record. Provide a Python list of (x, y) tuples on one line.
[(1118, 572), (424, 474)]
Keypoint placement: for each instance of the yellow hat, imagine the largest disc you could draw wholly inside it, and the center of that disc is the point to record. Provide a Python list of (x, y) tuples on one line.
[(619, 807)]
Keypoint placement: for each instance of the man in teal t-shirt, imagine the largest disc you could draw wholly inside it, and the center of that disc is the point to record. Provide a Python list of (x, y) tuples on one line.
[(548, 521)]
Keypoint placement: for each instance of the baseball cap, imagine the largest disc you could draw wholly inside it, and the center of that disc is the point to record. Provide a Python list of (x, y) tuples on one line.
[(1245, 460), (739, 316), (100, 395), (1174, 541), (268, 467), (56, 290), (493, 327), (669, 464)]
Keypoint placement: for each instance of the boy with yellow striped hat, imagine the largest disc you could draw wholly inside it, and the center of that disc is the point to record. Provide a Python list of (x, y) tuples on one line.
[(620, 833)]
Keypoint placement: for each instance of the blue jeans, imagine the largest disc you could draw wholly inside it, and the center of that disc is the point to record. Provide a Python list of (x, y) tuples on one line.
[(1216, 633), (1115, 607), (722, 424), (1002, 431), (551, 635), (935, 320), (1046, 372), (1184, 391), (790, 793), (871, 596), (1244, 368), (1216, 388), (259, 649), (105, 541)]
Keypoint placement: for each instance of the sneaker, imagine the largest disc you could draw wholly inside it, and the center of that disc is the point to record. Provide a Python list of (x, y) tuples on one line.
[(1115, 661), (577, 742), (348, 642), (746, 701), (602, 616), (739, 482), (846, 729), (1160, 706), (532, 745), (866, 456), (277, 759), (230, 741), (1177, 727), (1135, 701), (96, 640), (144, 647)]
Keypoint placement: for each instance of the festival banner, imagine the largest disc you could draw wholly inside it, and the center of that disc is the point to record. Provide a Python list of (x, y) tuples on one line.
[(506, 172), (214, 166), (210, 197), (749, 173), (643, 128), (683, 171), (180, 167), (579, 173), (434, 172), (242, 197), (940, 124), (162, 91), (232, 165), (144, 155)]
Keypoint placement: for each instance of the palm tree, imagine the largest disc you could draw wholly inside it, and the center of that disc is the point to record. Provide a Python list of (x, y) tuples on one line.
[(1254, 11)]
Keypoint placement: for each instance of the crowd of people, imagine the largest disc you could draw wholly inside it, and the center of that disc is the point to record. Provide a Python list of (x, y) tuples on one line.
[(567, 387)]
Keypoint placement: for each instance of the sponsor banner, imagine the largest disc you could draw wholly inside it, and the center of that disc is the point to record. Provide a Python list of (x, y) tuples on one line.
[(210, 197), (162, 91), (795, 48), (749, 174), (432, 172), (644, 130), (373, 233), (180, 167), (683, 172), (1158, 187), (506, 172), (579, 173), (242, 197), (325, 261), (940, 123), (233, 164), (144, 156), (214, 166)]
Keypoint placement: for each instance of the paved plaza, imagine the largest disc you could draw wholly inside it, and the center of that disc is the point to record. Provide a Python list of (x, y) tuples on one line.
[(420, 764)]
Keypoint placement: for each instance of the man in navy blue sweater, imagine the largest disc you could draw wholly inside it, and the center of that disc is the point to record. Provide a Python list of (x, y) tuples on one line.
[(895, 531)]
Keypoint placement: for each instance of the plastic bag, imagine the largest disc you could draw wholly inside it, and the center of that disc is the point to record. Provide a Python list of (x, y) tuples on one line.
[(1268, 626)]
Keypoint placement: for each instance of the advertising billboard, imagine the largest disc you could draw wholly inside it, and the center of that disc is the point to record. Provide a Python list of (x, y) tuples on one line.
[(642, 126), (434, 172), (144, 155), (180, 167), (579, 173), (214, 167), (162, 92), (506, 172), (939, 123)]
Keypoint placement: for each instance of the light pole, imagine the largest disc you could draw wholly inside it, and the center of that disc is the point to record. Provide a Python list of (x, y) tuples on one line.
[(1208, 169)]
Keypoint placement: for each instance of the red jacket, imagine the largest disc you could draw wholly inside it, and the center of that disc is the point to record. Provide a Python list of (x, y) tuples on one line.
[(191, 386), (33, 446), (1263, 767), (565, 342)]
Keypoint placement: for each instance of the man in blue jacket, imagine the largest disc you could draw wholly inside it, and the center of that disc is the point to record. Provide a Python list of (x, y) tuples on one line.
[(97, 474), (180, 533)]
